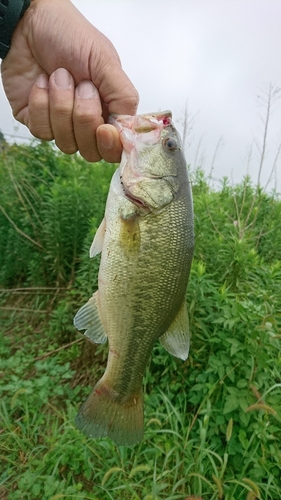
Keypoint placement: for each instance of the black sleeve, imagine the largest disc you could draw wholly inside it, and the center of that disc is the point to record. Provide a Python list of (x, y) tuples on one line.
[(10, 13)]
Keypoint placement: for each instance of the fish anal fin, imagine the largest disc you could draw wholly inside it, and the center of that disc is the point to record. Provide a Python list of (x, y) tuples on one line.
[(103, 414), (96, 246), (176, 339), (88, 318)]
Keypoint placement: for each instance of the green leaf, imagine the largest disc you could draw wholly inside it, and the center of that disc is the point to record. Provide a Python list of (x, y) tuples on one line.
[(231, 404)]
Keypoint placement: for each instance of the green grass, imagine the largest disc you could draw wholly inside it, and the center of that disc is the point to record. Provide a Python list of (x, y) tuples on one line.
[(212, 423), (201, 437)]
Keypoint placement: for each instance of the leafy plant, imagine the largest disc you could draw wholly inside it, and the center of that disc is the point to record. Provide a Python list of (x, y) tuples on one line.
[(213, 423)]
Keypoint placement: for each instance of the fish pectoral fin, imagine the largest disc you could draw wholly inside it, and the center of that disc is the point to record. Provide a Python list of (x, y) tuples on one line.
[(96, 246), (176, 339), (88, 318)]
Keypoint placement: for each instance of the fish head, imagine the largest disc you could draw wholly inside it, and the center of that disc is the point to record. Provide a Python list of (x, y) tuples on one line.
[(152, 158)]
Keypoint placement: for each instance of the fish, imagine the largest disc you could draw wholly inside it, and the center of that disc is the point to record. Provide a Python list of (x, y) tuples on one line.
[(146, 240)]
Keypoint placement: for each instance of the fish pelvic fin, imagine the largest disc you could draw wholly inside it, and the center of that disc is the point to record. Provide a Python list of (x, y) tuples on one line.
[(96, 246), (103, 415), (88, 318), (176, 339)]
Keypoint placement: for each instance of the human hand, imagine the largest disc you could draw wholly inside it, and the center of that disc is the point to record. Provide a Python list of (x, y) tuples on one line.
[(63, 78)]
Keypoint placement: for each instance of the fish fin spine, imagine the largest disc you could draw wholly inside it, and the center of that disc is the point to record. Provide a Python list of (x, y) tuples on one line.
[(89, 318), (96, 246)]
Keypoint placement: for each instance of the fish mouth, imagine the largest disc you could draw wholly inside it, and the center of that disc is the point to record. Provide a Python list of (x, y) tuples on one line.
[(136, 201), (141, 124)]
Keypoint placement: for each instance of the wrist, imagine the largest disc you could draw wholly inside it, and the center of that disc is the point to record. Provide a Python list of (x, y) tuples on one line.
[(11, 11)]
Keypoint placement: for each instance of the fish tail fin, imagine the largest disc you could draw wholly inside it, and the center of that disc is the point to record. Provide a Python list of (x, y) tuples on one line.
[(103, 415)]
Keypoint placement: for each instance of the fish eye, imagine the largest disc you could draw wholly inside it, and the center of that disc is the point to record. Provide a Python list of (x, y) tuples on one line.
[(170, 144)]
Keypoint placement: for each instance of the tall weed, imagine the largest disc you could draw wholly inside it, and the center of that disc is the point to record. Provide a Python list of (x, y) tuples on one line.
[(213, 423), (47, 202)]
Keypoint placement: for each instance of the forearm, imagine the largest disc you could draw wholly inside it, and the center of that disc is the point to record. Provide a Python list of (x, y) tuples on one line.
[(11, 11)]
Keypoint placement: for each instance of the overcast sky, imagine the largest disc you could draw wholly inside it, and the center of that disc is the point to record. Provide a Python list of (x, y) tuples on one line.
[(215, 56)]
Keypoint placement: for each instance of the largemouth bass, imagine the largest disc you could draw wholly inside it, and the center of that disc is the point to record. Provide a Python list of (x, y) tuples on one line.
[(146, 239)]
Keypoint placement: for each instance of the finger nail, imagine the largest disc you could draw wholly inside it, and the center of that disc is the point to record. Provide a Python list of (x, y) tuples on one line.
[(62, 78), (42, 82), (106, 141), (108, 145), (86, 90)]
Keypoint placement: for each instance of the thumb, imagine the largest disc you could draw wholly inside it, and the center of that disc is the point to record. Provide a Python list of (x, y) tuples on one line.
[(115, 88), (118, 92)]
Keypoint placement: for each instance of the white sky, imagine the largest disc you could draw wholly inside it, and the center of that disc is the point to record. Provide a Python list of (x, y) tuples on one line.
[(214, 55)]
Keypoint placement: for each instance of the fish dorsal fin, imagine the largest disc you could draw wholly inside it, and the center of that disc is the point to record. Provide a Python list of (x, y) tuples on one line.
[(96, 246), (88, 318), (176, 339)]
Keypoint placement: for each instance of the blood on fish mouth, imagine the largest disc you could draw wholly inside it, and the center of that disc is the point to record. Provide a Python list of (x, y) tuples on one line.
[(167, 120)]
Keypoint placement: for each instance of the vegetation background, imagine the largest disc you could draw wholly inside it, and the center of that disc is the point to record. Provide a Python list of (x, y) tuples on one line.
[(212, 423)]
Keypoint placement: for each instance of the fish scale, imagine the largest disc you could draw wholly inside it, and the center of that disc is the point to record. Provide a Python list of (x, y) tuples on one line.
[(146, 240)]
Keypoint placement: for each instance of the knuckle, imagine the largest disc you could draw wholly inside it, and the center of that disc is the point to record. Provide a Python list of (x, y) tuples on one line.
[(91, 156), (41, 131), (66, 145), (63, 109), (84, 117), (67, 149)]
